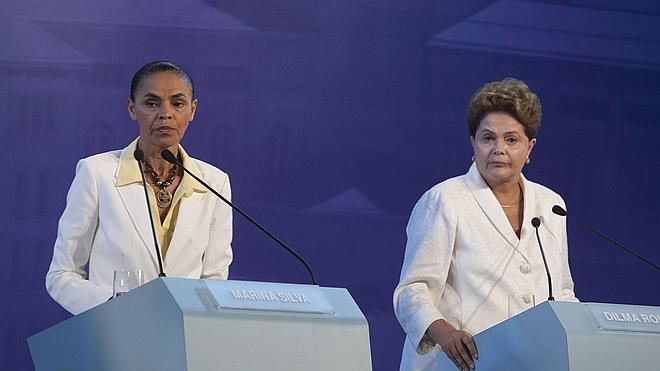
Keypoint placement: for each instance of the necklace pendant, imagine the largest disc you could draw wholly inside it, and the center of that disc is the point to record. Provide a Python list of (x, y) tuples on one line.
[(163, 198)]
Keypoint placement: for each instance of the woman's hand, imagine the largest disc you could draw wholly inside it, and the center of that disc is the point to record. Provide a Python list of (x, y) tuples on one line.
[(457, 345)]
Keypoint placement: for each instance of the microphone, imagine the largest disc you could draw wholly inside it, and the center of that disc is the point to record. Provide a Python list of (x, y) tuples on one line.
[(139, 156), (536, 223), (169, 157), (561, 212)]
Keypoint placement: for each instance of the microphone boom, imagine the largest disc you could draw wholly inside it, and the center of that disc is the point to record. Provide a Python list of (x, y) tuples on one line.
[(536, 223), (169, 157), (561, 212), (139, 156)]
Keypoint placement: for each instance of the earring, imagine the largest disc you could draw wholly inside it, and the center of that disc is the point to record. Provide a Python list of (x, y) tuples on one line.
[(528, 160), (473, 158)]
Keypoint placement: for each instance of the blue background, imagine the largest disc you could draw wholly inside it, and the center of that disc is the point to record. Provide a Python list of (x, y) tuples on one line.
[(332, 118)]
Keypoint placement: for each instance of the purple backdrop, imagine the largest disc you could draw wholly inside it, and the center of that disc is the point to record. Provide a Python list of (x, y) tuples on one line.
[(332, 118)]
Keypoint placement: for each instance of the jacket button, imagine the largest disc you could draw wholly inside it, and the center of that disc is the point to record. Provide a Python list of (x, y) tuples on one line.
[(525, 268)]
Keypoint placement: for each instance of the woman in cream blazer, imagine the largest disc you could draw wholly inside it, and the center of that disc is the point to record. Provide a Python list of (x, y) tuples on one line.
[(106, 224), (471, 243), (106, 227)]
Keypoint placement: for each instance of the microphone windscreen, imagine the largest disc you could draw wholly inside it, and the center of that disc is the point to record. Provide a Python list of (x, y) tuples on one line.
[(168, 156), (559, 210), (138, 154), (536, 222)]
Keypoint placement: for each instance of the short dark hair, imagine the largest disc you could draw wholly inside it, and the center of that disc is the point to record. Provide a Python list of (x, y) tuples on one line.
[(156, 67), (509, 96)]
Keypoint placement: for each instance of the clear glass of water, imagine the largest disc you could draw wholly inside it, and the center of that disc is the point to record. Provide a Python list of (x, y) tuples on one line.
[(126, 280), (520, 303)]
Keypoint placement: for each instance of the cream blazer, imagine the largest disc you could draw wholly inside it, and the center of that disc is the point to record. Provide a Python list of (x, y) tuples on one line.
[(463, 260), (105, 227)]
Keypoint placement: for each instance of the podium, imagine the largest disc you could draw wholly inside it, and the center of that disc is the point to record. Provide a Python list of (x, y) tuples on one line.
[(182, 324), (556, 336)]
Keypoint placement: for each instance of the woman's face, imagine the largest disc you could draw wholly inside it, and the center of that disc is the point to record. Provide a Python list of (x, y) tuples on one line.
[(163, 108), (501, 148)]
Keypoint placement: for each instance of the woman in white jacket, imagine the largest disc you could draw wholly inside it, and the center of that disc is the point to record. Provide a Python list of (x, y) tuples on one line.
[(105, 225), (471, 243)]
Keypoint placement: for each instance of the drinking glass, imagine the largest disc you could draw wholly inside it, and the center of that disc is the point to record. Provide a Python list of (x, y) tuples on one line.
[(126, 280)]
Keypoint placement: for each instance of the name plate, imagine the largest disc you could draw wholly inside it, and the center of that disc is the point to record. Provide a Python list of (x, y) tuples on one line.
[(618, 317), (268, 296)]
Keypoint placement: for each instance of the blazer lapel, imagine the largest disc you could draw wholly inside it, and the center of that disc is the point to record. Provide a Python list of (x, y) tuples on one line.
[(489, 205), (132, 196), (189, 210), (191, 204), (530, 209)]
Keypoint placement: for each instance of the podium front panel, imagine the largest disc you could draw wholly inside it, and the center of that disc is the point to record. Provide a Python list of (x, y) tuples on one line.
[(557, 336), (173, 324)]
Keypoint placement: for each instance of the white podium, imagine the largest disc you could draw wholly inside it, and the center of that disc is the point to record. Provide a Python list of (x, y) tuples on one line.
[(194, 325), (557, 336)]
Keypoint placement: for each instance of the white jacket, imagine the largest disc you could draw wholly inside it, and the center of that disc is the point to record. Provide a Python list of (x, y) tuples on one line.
[(105, 228), (463, 260)]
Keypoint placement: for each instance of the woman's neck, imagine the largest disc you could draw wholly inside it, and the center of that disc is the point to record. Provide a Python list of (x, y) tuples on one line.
[(507, 192), (153, 157)]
